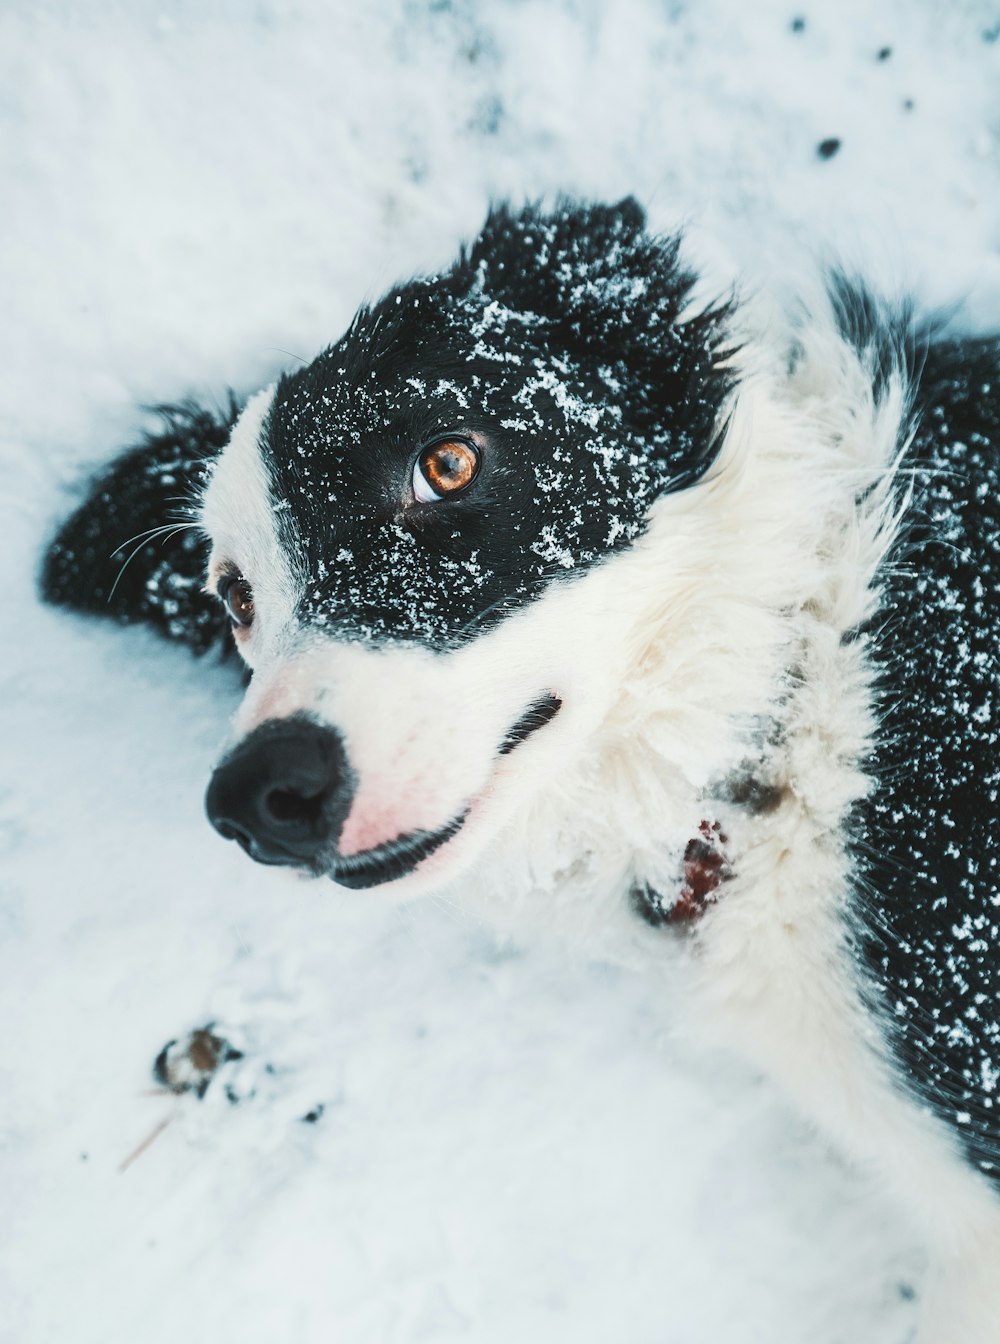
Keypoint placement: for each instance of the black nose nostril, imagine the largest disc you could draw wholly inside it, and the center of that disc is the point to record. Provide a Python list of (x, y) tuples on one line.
[(290, 805), (283, 792)]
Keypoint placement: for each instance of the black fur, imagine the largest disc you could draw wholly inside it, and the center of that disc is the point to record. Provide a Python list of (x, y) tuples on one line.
[(556, 343), (927, 837), (887, 336), (107, 559)]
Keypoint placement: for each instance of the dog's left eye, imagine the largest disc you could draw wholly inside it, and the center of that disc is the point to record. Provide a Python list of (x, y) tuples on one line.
[(444, 469), (237, 597)]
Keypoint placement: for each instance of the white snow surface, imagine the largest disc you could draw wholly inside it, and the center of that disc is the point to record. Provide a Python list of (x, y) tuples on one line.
[(514, 1144)]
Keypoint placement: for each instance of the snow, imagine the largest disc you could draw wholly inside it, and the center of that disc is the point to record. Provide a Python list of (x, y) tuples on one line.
[(512, 1144)]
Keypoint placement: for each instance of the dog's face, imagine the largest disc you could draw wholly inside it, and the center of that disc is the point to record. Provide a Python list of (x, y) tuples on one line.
[(410, 536)]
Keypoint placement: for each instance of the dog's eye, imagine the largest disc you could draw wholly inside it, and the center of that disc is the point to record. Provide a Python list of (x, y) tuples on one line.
[(237, 596), (444, 469)]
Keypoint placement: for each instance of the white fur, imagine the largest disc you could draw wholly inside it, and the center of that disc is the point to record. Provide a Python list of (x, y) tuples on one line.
[(677, 662)]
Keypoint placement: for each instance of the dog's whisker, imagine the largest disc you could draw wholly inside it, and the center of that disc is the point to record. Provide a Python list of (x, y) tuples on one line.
[(145, 536), (163, 534)]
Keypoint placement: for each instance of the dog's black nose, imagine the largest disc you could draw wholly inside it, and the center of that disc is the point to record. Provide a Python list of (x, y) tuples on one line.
[(283, 792)]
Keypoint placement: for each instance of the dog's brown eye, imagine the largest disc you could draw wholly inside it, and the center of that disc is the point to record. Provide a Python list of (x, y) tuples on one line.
[(444, 469), (237, 595)]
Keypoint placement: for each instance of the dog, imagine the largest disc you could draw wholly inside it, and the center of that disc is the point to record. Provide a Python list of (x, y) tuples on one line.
[(658, 619)]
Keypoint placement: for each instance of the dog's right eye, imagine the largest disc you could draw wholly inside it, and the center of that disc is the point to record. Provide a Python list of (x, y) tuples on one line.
[(237, 597), (445, 467)]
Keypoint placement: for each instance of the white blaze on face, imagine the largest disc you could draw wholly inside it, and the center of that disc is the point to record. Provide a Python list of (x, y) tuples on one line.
[(237, 512)]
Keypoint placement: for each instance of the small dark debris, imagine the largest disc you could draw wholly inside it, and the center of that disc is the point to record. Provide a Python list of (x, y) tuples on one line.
[(189, 1065), (908, 104), (991, 35), (798, 25), (883, 53), (827, 148), (84, 1157), (315, 1114), (907, 1292)]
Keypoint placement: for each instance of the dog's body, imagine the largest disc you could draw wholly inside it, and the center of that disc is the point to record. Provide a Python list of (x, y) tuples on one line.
[(655, 621)]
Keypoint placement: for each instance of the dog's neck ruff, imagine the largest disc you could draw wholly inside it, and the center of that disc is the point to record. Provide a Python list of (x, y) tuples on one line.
[(731, 613)]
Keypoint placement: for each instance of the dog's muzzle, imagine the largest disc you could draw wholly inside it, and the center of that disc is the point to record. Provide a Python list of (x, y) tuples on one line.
[(283, 793)]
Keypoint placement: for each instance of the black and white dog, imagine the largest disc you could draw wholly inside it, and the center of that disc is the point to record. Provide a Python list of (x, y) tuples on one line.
[(651, 617)]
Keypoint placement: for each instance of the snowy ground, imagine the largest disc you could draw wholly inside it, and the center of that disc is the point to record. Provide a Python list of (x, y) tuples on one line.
[(510, 1147)]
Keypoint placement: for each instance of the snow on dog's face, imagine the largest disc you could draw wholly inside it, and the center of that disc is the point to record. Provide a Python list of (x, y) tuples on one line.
[(408, 535)]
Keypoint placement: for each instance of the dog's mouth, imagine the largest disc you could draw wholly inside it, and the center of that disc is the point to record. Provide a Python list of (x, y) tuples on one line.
[(537, 715), (396, 858)]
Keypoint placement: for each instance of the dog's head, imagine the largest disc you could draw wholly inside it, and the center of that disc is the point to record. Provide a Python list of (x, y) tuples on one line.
[(411, 537)]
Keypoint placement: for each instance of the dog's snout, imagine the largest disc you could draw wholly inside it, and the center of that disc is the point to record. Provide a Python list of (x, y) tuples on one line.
[(283, 792)]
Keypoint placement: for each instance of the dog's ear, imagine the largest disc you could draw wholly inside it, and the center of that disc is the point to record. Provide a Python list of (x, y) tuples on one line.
[(132, 550), (571, 265), (590, 269), (618, 299)]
